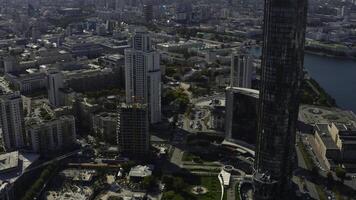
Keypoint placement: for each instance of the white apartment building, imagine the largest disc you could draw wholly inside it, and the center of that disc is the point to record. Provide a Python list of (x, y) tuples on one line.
[(51, 136), (241, 71), (12, 121), (143, 75)]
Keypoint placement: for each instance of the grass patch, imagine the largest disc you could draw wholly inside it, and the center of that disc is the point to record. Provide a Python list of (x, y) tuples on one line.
[(189, 157), (214, 189), (308, 160), (314, 94), (183, 183), (321, 193)]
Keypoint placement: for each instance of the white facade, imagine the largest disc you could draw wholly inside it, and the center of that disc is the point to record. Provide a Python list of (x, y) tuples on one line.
[(143, 75), (241, 71), (54, 84), (12, 121)]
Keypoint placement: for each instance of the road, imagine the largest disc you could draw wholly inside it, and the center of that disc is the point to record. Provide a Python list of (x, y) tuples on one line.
[(310, 186), (53, 161), (231, 191)]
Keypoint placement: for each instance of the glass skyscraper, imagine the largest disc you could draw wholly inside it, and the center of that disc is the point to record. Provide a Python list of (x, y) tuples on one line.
[(282, 75)]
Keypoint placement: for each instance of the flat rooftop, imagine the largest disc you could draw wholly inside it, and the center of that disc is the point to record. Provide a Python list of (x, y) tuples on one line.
[(9, 161), (312, 115), (323, 132), (141, 171), (24, 161)]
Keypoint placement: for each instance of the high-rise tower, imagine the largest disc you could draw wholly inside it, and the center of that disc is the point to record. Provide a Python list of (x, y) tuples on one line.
[(133, 130), (282, 73), (54, 84), (12, 121), (143, 75), (241, 71), (148, 11)]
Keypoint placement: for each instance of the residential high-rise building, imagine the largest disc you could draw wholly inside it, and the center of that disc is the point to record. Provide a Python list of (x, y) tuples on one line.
[(12, 121), (51, 136), (241, 71), (54, 84), (133, 130), (143, 75), (105, 126), (148, 11), (282, 75), (184, 11)]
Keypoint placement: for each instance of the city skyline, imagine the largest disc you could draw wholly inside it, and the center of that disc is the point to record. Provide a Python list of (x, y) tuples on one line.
[(177, 99)]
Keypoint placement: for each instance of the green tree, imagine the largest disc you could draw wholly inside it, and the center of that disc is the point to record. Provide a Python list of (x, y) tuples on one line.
[(39, 183), (178, 197), (168, 181), (340, 173), (168, 195), (149, 182), (178, 184), (127, 166)]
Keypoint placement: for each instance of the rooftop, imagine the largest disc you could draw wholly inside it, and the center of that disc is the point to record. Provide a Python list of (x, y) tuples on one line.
[(245, 91), (316, 114), (23, 162), (9, 161), (79, 175), (324, 133), (141, 171)]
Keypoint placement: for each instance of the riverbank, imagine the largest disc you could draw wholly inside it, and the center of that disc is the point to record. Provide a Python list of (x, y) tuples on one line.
[(336, 76), (314, 94), (321, 53)]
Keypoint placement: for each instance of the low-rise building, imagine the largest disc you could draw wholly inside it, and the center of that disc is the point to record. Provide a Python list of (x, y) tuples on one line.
[(88, 49), (13, 166), (81, 176), (139, 172), (27, 83), (90, 79), (335, 143), (117, 63)]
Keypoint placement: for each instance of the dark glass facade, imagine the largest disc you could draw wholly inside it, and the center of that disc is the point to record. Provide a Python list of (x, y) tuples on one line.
[(241, 114), (282, 74)]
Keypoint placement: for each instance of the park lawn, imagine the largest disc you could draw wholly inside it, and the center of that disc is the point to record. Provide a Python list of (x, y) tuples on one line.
[(213, 185)]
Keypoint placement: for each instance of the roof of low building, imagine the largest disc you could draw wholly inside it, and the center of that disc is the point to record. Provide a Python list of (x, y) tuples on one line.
[(141, 171)]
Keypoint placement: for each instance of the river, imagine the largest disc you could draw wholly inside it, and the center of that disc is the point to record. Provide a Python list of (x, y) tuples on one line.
[(336, 75)]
